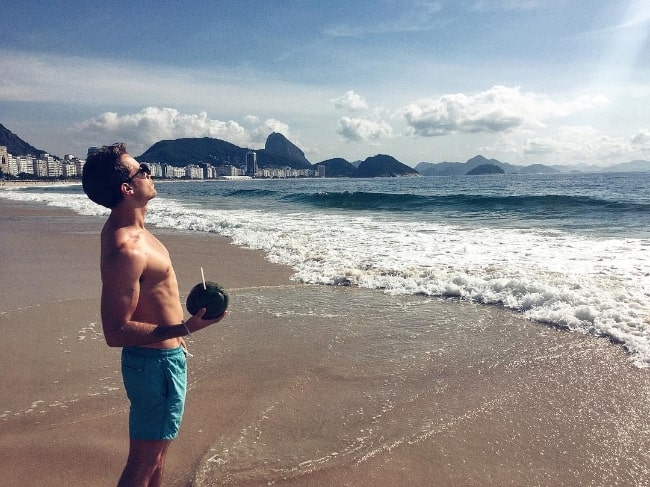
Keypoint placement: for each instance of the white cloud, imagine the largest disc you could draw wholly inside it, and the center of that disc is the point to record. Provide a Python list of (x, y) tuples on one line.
[(539, 146), (360, 129), (269, 126), (152, 124), (262, 104), (350, 101), (499, 109), (579, 143), (641, 139), (52, 78), (142, 129)]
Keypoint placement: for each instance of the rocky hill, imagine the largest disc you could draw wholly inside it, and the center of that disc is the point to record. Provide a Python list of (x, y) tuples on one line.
[(278, 144), (632, 166), (181, 152), (462, 168), (270, 159), (338, 168), (15, 145), (383, 166), (484, 169)]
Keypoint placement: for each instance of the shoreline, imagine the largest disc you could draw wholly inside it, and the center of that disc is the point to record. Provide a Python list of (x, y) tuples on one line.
[(18, 184), (305, 385)]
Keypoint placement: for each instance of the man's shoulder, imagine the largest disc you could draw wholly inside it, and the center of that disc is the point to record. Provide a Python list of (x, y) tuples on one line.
[(122, 242)]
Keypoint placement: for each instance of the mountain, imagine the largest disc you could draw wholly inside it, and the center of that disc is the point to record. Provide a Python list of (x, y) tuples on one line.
[(271, 159), (536, 169), (338, 168), (15, 145), (378, 166), (181, 152), (632, 166), (441, 168), (485, 169), (477, 161), (278, 144), (462, 168), (280, 152), (381, 166), (579, 167)]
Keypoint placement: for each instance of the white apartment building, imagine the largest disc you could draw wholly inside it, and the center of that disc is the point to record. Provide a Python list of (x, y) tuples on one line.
[(46, 166), (176, 172), (69, 169), (193, 171)]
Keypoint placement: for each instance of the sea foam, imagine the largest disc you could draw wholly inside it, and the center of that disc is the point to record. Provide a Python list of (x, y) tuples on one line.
[(592, 285)]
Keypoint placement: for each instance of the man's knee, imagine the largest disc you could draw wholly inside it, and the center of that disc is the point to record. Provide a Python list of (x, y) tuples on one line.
[(148, 454), (149, 451)]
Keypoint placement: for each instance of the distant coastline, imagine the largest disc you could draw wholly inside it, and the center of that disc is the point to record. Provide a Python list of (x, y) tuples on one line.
[(210, 158), (16, 183)]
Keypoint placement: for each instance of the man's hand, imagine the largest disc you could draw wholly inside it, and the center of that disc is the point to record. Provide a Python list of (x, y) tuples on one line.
[(196, 322)]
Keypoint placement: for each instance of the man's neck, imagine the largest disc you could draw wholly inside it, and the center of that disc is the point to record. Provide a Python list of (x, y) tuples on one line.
[(127, 216)]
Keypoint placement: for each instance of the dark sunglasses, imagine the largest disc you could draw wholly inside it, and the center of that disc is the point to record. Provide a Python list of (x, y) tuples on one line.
[(142, 173)]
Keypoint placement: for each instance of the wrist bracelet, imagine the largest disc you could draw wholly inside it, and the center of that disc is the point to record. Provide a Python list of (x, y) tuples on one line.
[(186, 329)]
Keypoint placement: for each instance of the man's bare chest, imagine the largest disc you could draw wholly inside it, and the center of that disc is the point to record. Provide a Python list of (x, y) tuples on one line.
[(158, 267)]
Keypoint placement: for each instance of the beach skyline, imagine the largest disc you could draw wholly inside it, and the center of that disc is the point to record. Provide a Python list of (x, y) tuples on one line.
[(520, 81)]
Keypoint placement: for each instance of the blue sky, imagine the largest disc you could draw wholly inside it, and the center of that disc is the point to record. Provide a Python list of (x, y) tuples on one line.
[(523, 81)]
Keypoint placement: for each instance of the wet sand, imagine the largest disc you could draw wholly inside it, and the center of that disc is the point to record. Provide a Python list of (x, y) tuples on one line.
[(305, 385)]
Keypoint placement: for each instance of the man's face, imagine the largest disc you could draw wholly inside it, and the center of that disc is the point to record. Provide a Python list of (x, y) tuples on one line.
[(139, 179)]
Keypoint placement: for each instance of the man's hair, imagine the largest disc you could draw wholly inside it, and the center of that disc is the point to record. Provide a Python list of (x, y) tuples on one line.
[(103, 175)]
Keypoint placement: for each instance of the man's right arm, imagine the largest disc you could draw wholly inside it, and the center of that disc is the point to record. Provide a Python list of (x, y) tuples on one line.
[(121, 273)]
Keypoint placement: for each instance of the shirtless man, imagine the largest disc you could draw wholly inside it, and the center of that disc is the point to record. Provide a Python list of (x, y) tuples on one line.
[(141, 311)]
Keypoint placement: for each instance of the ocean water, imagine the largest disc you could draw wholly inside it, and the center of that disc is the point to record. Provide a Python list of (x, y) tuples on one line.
[(569, 251)]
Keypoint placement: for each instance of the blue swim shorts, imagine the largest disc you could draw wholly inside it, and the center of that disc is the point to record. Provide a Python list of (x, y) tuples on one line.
[(155, 381)]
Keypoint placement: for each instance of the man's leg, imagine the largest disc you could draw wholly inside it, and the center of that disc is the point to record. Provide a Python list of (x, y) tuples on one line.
[(144, 467)]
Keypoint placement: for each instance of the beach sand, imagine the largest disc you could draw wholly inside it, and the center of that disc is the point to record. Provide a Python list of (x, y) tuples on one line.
[(63, 416), (305, 385)]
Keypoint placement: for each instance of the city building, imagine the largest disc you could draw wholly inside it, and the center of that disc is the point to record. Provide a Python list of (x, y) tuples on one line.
[(251, 163), (4, 159), (193, 171), (47, 166)]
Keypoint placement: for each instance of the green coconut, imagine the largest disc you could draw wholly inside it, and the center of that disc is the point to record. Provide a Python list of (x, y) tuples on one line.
[(213, 297)]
